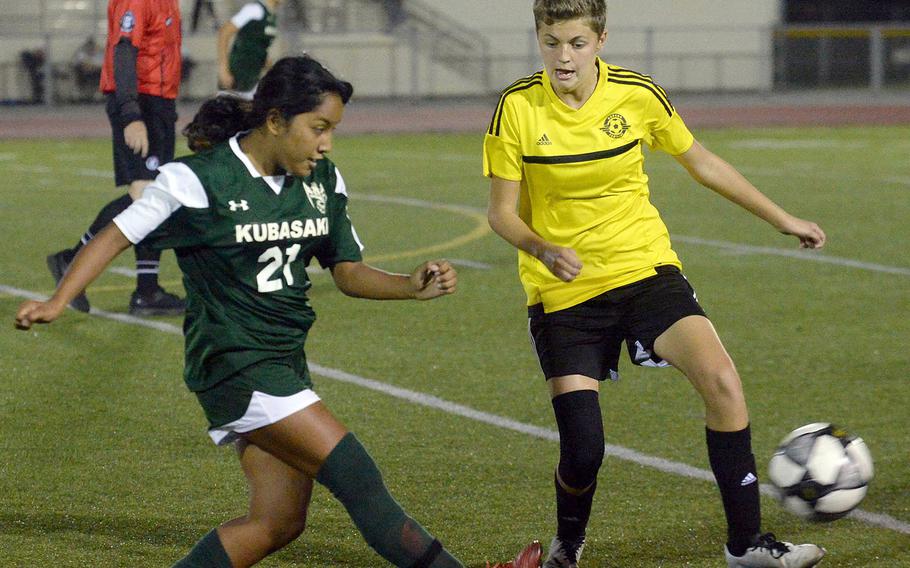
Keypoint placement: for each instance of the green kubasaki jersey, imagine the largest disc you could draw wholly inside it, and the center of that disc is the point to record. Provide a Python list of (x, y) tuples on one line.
[(256, 30), (243, 242)]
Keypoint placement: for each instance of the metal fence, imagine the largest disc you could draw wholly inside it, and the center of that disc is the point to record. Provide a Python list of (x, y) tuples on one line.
[(429, 54), (842, 56)]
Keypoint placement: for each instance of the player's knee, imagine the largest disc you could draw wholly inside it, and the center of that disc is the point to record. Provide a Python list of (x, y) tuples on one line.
[(278, 532), (721, 386)]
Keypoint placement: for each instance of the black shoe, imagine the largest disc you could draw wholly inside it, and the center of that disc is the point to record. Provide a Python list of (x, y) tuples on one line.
[(158, 303), (58, 263)]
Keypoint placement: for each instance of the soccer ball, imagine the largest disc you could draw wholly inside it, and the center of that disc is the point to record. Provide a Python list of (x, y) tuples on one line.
[(821, 471)]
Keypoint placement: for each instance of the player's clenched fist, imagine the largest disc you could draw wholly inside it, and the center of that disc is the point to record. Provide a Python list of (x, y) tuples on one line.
[(433, 279), (562, 262), (31, 312)]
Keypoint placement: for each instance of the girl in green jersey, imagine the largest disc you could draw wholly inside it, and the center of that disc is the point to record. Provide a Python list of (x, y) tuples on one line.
[(231, 212)]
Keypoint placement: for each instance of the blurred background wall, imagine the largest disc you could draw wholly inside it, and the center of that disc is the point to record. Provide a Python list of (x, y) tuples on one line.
[(469, 48)]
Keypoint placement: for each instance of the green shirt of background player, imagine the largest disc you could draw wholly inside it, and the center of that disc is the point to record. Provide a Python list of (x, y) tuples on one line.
[(245, 216), (252, 30)]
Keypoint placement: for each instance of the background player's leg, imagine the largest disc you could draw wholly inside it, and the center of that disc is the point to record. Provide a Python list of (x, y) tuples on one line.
[(150, 299), (59, 262)]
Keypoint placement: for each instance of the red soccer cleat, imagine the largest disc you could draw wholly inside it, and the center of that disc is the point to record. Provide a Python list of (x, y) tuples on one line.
[(527, 558)]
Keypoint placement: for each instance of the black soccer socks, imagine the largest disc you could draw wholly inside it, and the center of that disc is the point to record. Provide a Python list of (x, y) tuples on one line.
[(581, 451), (733, 464)]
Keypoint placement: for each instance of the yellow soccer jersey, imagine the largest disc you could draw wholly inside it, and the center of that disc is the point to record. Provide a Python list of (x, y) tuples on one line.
[(582, 179)]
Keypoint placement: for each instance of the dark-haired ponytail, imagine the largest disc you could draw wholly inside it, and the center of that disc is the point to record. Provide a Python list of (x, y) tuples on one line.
[(216, 121)]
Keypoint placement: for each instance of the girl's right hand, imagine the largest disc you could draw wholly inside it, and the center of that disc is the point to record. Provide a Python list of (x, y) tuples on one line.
[(562, 262), (31, 312)]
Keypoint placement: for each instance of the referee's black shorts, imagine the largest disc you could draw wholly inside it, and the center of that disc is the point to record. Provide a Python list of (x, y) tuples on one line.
[(586, 339), (160, 117)]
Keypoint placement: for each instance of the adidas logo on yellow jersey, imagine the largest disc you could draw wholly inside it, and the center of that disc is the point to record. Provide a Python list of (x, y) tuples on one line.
[(544, 140)]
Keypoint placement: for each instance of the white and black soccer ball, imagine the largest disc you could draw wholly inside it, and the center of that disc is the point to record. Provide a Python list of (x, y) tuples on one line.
[(821, 472)]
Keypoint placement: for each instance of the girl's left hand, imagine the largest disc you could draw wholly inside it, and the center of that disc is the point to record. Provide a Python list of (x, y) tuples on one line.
[(810, 235), (433, 279)]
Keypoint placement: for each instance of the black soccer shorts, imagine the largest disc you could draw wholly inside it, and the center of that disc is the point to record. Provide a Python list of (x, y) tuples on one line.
[(160, 117), (586, 339)]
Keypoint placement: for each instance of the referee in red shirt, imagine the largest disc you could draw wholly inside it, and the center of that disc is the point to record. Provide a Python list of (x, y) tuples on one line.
[(140, 79)]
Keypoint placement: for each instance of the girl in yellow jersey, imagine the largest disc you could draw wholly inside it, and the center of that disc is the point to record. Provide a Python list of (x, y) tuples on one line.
[(564, 153)]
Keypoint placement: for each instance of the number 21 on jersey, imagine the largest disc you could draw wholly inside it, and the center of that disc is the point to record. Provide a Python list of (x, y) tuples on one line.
[(277, 260)]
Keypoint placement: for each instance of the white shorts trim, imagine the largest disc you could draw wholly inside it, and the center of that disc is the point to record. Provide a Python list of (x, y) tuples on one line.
[(264, 409)]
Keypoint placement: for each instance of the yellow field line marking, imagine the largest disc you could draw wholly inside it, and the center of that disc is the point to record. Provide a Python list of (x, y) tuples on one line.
[(481, 230)]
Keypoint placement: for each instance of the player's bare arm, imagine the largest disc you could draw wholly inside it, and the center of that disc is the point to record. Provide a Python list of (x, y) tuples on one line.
[(429, 280), (88, 264), (711, 171), (563, 262)]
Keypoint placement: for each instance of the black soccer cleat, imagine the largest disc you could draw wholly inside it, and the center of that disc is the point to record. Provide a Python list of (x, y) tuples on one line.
[(58, 263), (158, 303)]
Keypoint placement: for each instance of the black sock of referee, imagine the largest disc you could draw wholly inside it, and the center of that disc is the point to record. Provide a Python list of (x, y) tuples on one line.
[(103, 219), (733, 464), (147, 262)]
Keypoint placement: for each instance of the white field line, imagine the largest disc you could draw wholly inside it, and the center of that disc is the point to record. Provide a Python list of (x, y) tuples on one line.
[(900, 180), (87, 172), (806, 169), (123, 271), (430, 401), (813, 256), (801, 254), (430, 156), (91, 172), (782, 144), (470, 263)]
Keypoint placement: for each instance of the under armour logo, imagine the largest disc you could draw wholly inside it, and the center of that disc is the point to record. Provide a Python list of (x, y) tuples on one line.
[(242, 205)]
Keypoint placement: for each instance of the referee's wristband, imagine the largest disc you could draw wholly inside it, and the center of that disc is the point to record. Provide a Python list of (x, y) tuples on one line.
[(129, 112)]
